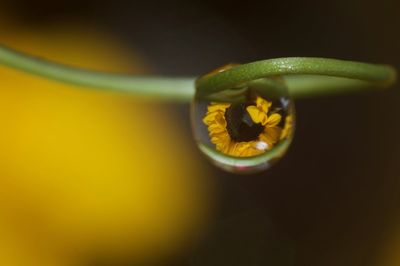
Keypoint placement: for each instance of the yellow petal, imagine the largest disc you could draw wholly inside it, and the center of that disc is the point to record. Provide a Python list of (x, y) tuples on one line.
[(256, 115), (273, 120), (217, 137), (227, 147), (220, 120), (271, 135), (224, 146), (241, 147), (218, 107), (215, 119), (209, 119), (262, 104), (288, 128)]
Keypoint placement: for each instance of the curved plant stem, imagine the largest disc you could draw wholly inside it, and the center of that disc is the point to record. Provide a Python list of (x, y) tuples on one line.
[(305, 77), (164, 88)]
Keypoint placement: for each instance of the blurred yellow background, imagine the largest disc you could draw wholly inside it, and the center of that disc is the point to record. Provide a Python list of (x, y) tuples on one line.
[(95, 178), (86, 173)]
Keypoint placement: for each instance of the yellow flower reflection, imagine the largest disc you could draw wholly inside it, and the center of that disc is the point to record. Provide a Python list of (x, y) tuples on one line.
[(243, 130), (288, 128)]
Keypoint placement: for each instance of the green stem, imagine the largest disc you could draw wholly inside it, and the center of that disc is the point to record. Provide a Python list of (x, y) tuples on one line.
[(305, 77), (164, 88)]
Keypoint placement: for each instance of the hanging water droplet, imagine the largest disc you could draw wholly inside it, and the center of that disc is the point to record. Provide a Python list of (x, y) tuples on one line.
[(247, 128)]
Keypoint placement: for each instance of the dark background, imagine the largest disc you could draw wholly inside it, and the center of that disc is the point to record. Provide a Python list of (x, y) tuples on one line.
[(334, 198)]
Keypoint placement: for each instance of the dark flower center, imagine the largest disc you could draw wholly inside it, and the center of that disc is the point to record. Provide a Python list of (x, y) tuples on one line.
[(239, 124)]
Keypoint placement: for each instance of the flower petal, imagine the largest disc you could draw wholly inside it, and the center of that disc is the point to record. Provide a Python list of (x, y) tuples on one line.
[(273, 120), (262, 104), (271, 135), (256, 115), (218, 107)]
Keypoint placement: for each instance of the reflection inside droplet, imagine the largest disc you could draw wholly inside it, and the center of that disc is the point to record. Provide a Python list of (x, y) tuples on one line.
[(246, 128)]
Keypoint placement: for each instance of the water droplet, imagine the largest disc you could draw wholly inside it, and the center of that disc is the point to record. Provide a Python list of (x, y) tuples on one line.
[(247, 128)]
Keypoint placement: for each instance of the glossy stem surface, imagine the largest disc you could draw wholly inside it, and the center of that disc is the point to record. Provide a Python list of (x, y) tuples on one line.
[(305, 77), (157, 87)]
